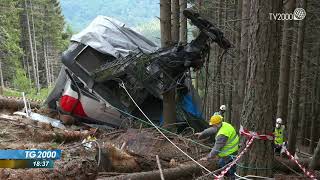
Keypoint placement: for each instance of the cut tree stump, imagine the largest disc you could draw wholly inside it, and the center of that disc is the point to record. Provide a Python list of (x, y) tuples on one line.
[(114, 159)]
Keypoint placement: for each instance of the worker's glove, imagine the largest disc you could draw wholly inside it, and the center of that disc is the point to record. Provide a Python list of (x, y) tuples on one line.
[(284, 145), (198, 135), (204, 159)]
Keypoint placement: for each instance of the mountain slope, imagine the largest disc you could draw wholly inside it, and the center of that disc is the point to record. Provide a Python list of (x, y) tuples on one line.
[(80, 13)]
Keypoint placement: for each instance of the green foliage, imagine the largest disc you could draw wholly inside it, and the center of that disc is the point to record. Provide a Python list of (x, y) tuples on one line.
[(20, 81), (42, 95), (10, 50), (139, 14)]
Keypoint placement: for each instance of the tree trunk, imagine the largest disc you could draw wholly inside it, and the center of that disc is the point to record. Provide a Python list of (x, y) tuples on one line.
[(169, 104), (175, 11), (282, 105), (234, 71), (315, 157), (15, 104), (294, 117), (241, 67), (52, 71), (218, 64), (183, 22), (1, 79), (49, 63), (316, 113), (46, 64), (35, 50), (28, 70), (258, 109), (165, 22), (30, 45), (307, 101)]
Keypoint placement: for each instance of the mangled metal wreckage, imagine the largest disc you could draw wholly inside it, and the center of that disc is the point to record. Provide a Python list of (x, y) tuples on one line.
[(107, 54)]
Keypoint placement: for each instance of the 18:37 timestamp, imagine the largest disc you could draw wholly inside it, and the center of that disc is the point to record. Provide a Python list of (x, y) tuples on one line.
[(42, 164)]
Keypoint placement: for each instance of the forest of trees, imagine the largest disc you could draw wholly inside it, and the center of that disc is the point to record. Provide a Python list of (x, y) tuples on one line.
[(272, 71), (32, 36)]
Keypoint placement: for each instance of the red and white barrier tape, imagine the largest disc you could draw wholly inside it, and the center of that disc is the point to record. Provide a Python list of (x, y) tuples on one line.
[(245, 132), (305, 171), (248, 144)]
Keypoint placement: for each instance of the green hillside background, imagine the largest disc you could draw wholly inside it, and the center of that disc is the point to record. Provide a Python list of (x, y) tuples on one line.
[(141, 15)]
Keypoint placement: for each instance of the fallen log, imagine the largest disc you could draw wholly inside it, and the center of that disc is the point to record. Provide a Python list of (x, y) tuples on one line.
[(39, 135), (304, 162), (185, 171), (190, 170), (15, 104)]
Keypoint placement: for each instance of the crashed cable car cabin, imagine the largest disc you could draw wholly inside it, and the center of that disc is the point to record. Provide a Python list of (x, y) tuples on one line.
[(107, 55)]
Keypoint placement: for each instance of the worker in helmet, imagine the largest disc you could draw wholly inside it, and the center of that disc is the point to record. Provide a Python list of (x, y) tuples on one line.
[(226, 141), (279, 136), (221, 111)]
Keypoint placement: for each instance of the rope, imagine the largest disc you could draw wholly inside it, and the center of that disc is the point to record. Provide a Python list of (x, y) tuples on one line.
[(305, 171), (255, 168), (252, 176), (123, 86), (248, 144), (187, 139)]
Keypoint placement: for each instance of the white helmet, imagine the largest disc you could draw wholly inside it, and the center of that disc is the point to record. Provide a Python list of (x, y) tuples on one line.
[(279, 121), (223, 107)]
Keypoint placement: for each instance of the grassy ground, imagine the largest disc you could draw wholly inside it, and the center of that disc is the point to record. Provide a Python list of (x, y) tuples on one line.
[(32, 94)]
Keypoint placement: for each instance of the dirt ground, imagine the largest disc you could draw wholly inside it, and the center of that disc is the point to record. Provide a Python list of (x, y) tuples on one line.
[(77, 162), (80, 163)]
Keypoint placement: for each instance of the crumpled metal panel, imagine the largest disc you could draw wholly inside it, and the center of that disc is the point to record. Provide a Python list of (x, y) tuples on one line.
[(110, 36)]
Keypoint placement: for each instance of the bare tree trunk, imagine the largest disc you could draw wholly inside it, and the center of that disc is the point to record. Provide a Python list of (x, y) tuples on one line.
[(294, 117), (307, 101), (52, 71), (258, 109), (282, 105), (183, 22), (169, 104), (1, 79), (30, 44), (175, 11), (316, 113), (315, 157), (28, 71), (241, 67), (165, 23), (35, 49), (46, 63), (219, 61)]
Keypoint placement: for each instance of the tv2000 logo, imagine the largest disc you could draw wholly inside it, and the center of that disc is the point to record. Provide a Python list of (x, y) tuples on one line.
[(298, 14), (40, 154)]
